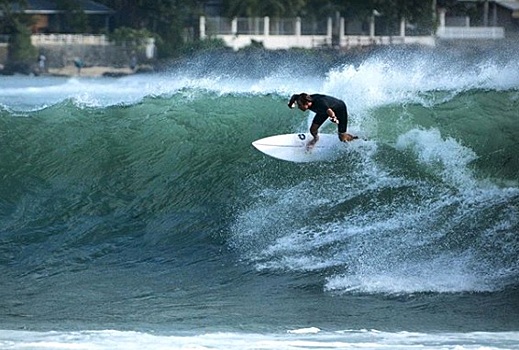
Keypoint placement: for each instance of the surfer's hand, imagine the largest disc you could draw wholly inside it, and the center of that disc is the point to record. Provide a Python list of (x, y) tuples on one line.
[(334, 120)]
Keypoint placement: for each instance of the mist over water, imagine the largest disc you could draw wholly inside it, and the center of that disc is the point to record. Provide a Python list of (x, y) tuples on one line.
[(140, 201)]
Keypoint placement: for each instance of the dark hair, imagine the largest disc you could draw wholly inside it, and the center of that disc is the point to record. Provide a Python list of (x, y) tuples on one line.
[(304, 98), (301, 98)]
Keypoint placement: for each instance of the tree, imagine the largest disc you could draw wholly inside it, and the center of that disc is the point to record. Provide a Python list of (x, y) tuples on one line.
[(21, 53), (73, 18), (414, 11), (173, 22), (261, 8)]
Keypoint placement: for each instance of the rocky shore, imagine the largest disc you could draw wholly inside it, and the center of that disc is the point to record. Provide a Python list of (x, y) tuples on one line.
[(89, 72)]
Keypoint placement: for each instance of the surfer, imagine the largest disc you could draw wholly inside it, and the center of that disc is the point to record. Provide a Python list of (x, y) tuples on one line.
[(324, 107)]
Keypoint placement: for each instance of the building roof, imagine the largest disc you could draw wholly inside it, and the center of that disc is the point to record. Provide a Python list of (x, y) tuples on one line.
[(512, 5), (50, 7), (509, 4)]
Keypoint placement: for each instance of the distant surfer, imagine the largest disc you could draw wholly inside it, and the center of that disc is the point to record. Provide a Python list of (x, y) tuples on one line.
[(324, 107)]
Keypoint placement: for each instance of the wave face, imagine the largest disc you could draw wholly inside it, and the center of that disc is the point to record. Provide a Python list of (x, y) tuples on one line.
[(141, 199)]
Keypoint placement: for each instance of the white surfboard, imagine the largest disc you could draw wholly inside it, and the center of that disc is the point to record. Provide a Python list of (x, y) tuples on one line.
[(293, 147)]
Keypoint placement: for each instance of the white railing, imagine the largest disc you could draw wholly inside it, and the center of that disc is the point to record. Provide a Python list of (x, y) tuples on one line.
[(471, 33), (286, 33), (64, 39), (348, 41), (294, 33), (274, 34), (365, 40), (210, 26)]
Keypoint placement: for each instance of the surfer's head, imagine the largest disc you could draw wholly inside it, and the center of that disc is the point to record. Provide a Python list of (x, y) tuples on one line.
[(304, 101)]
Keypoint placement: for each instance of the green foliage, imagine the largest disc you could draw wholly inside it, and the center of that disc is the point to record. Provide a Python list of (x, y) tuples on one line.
[(170, 21), (73, 19), (21, 53), (20, 46), (416, 11), (203, 45), (174, 23), (255, 45), (11, 16), (260, 8), (131, 38)]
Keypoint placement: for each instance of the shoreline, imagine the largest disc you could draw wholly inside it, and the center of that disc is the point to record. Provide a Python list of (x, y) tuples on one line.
[(89, 72), (224, 56), (71, 71)]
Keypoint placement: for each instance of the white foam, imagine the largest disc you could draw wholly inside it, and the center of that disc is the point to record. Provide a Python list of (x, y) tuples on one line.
[(379, 80), (310, 338), (447, 274), (309, 330), (447, 157), (411, 243)]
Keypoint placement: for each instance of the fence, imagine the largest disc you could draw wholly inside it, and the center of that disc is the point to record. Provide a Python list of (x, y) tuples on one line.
[(278, 33), (284, 33), (69, 39), (212, 26), (471, 33)]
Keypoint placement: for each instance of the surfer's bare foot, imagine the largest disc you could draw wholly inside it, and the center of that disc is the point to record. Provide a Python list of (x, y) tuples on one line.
[(311, 144), (345, 137)]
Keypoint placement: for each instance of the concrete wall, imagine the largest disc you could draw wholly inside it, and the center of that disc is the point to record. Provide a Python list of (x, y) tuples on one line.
[(59, 56), (93, 50)]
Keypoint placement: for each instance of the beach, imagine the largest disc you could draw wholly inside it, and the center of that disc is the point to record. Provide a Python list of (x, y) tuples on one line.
[(92, 72)]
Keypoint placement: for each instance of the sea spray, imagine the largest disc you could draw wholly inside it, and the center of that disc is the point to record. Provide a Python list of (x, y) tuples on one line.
[(140, 204)]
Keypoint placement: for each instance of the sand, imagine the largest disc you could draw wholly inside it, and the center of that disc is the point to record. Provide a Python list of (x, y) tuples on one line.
[(99, 71)]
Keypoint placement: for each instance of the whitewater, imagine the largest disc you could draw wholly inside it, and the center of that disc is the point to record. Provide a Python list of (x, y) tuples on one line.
[(134, 212)]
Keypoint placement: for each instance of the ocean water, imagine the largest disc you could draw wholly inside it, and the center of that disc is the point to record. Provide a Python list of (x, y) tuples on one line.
[(135, 214)]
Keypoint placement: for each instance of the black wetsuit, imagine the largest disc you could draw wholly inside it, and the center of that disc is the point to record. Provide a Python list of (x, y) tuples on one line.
[(321, 103)]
